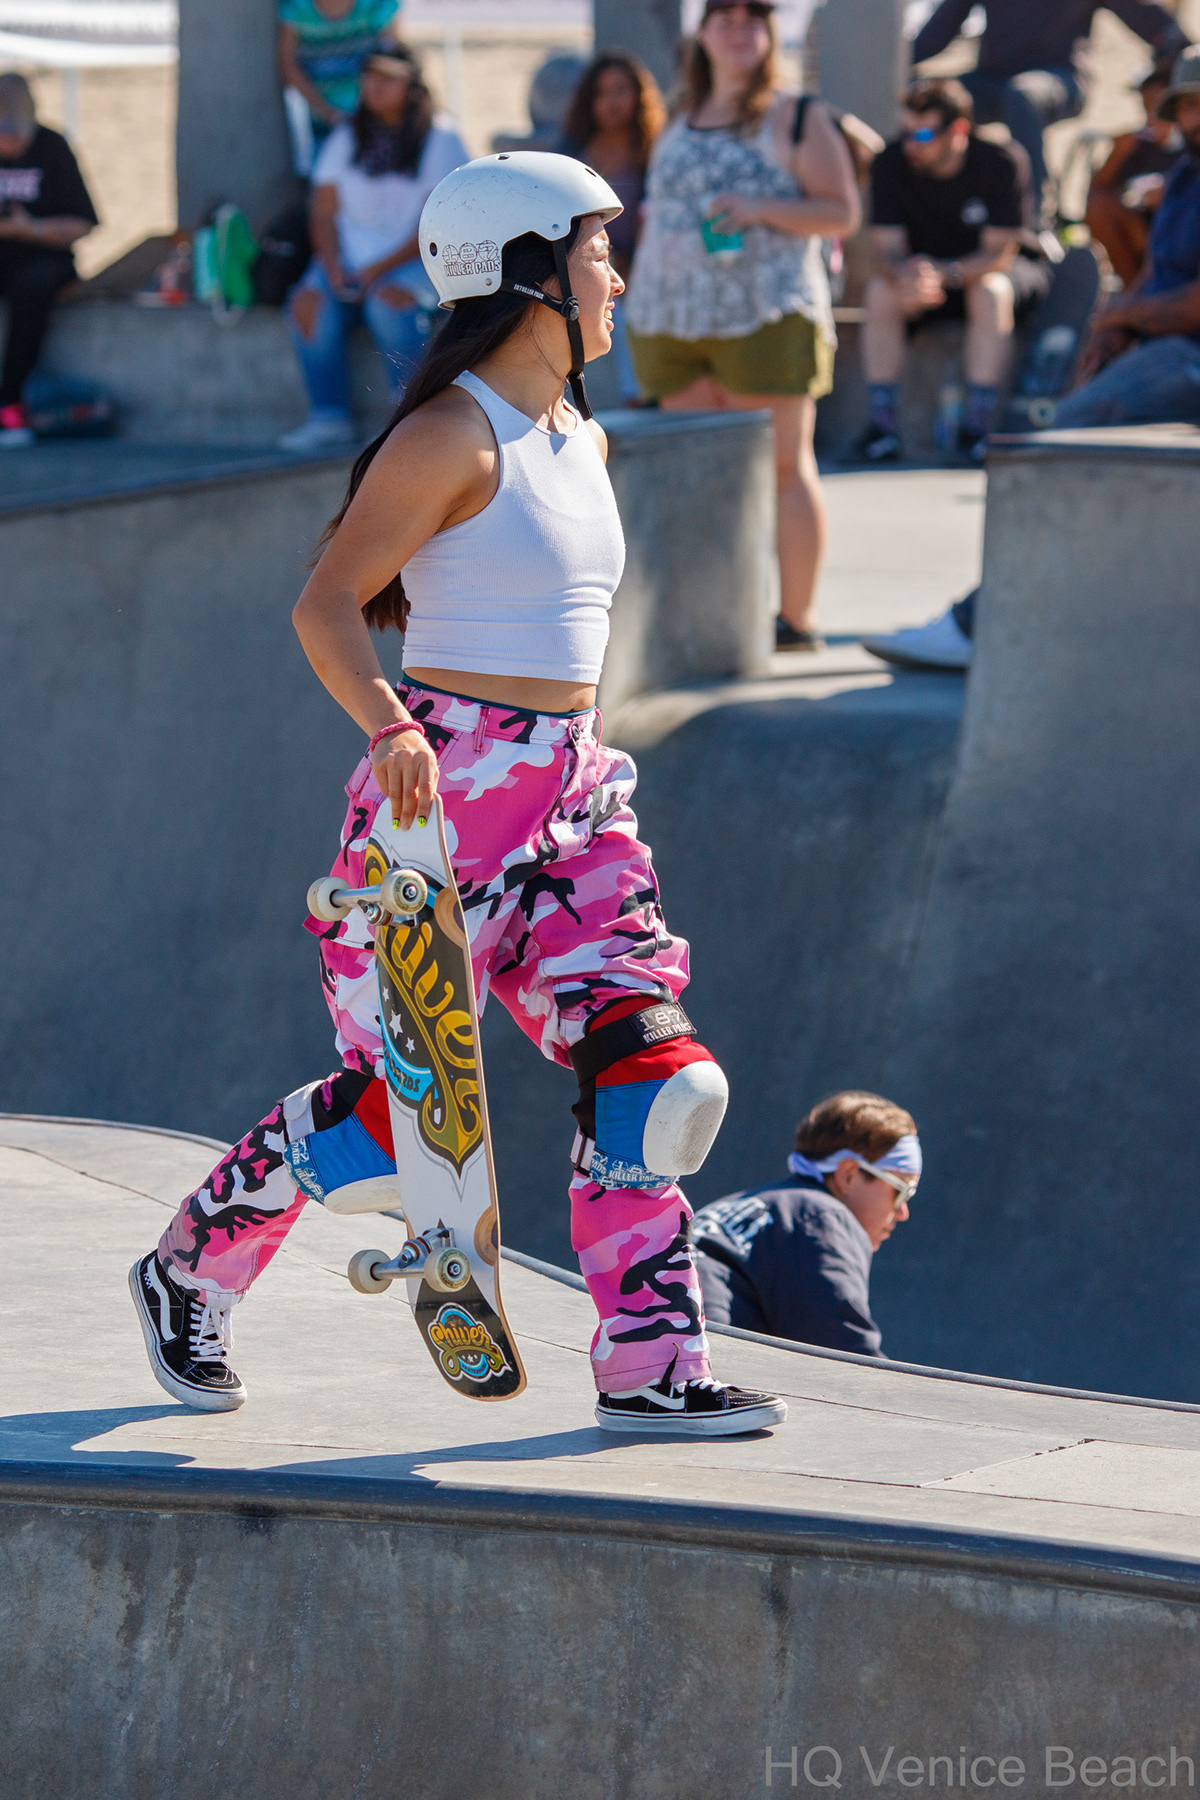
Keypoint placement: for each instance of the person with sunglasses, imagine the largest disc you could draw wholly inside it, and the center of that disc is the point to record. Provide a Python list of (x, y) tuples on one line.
[(729, 304), (793, 1260), (948, 214)]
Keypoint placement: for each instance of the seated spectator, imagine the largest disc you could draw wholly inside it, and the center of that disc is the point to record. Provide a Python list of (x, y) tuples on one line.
[(322, 44), (369, 185), (1142, 364), (1026, 76), (44, 209), (615, 115), (1126, 190), (794, 1260), (948, 211)]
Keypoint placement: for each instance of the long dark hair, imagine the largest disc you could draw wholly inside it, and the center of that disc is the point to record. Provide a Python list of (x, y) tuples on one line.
[(650, 114), (394, 149), (475, 329)]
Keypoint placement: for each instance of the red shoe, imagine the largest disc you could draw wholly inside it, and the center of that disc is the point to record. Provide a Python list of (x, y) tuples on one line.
[(14, 427)]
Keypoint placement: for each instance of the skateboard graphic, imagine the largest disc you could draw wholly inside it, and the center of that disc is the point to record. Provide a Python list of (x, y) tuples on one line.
[(437, 1105)]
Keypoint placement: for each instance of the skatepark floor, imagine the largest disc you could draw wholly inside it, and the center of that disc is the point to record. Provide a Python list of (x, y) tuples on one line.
[(340, 1384)]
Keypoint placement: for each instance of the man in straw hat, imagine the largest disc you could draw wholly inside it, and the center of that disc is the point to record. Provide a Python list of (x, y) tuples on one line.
[(44, 209), (1142, 366)]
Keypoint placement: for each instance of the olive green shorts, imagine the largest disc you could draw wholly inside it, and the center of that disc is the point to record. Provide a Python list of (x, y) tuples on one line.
[(789, 356)]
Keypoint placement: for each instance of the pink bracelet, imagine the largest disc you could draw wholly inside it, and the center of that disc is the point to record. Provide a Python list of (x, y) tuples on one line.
[(394, 730)]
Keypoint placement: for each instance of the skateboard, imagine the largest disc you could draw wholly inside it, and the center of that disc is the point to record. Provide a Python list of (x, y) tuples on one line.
[(437, 1104), (1054, 342)]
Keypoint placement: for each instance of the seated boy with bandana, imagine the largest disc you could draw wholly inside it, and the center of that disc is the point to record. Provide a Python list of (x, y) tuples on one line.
[(794, 1260)]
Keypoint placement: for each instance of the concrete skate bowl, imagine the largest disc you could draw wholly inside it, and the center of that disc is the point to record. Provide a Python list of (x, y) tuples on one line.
[(996, 927), (359, 1587)]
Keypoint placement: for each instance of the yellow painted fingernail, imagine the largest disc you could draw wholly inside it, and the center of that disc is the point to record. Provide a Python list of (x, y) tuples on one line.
[(422, 821), (395, 824)]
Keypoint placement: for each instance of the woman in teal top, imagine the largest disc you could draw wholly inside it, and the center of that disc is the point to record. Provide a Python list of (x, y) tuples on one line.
[(322, 44)]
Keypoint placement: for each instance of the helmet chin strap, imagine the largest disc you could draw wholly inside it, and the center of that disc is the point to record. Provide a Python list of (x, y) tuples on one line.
[(568, 310)]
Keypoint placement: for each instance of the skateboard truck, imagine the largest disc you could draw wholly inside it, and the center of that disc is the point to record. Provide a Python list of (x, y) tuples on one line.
[(432, 1257), (402, 891)]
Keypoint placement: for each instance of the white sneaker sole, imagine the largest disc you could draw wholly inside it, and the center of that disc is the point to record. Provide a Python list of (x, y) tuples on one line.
[(903, 659), (204, 1400), (735, 1424)]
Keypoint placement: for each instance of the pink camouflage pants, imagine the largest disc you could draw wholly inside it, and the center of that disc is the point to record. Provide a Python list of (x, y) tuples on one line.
[(562, 910)]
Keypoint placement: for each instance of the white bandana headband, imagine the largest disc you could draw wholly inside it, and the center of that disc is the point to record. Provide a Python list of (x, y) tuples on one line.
[(904, 1158)]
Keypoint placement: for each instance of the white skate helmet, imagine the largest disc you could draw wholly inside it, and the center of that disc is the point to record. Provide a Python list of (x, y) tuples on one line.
[(476, 210)]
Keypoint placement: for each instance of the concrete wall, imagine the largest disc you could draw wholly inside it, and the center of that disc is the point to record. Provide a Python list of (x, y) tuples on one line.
[(179, 376), (684, 480), (863, 58), (231, 139), (649, 28), (191, 1634), (1049, 1042), (170, 760)]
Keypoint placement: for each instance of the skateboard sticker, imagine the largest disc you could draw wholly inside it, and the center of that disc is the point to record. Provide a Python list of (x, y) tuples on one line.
[(464, 1347), (469, 1342)]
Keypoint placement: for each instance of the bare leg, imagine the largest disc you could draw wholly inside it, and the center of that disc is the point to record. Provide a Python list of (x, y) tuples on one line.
[(989, 303), (801, 522), (883, 330)]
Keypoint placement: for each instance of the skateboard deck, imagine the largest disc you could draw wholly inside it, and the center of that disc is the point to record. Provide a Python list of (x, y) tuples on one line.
[(1055, 340), (434, 1071)]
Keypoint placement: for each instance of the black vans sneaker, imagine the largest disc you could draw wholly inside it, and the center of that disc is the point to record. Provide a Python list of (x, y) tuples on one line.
[(187, 1336), (878, 444), (701, 1408)]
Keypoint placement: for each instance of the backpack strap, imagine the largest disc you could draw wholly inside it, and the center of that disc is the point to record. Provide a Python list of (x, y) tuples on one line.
[(797, 132)]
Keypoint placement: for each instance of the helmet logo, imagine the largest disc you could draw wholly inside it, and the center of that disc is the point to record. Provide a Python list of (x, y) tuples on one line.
[(471, 259)]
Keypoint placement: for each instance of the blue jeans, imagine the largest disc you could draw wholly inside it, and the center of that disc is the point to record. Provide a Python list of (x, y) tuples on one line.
[(1155, 383), (400, 332), (1027, 103)]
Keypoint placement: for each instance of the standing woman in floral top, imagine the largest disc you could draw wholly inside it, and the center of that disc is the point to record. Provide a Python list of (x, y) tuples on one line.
[(729, 302)]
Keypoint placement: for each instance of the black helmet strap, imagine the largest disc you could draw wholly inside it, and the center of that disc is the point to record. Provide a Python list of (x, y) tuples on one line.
[(568, 310)]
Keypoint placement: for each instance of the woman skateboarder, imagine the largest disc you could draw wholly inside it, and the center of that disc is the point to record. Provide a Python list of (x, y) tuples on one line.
[(489, 492)]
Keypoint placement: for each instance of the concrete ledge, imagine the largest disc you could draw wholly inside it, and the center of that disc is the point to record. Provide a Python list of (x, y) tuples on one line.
[(178, 375), (262, 1496), (689, 482), (358, 1573), (1048, 1037)]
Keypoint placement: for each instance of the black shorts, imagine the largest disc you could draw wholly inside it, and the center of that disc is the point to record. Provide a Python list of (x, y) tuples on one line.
[(1030, 277)]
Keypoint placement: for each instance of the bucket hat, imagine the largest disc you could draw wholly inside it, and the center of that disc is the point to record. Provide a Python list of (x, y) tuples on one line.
[(1185, 79)]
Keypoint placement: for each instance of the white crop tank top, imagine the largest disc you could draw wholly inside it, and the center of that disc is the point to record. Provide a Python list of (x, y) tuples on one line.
[(524, 587)]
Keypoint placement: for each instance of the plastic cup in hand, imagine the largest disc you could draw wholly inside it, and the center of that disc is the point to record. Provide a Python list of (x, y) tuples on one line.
[(725, 245)]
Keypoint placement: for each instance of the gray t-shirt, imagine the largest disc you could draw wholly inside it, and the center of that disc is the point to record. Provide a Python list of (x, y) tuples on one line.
[(789, 1261)]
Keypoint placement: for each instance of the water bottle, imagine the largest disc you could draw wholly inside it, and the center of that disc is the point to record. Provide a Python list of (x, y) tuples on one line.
[(950, 410)]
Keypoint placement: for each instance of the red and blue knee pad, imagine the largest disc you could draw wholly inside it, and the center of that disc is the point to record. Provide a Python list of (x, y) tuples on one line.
[(339, 1147), (651, 1099)]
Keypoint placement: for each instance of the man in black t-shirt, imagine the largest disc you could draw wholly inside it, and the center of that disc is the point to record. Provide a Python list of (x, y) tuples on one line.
[(948, 210), (44, 209)]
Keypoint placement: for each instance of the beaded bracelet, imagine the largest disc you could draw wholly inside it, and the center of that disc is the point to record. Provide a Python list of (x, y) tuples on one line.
[(394, 730)]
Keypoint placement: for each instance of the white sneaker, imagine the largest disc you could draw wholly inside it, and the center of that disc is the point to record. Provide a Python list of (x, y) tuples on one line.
[(938, 645), (318, 434)]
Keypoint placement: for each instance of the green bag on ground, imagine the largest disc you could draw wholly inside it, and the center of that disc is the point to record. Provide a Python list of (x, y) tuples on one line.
[(223, 258)]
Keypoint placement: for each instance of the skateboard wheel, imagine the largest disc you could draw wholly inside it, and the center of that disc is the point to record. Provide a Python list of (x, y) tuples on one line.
[(362, 1272), (321, 903), (404, 892), (447, 1271)]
